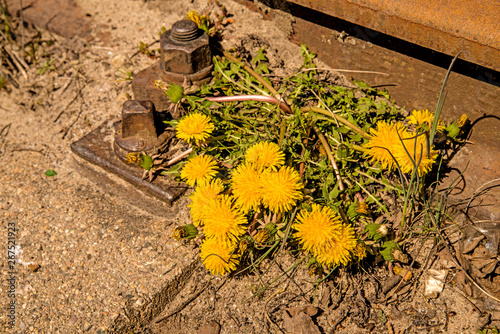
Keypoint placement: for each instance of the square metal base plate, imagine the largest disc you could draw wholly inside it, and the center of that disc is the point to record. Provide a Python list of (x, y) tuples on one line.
[(97, 148)]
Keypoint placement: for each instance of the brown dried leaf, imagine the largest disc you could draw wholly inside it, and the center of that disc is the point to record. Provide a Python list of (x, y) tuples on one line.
[(299, 324)]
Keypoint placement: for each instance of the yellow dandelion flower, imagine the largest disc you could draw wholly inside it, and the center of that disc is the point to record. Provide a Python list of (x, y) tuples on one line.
[(201, 197), (362, 208), (188, 231), (281, 189), (262, 236), (462, 120), (265, 155), (412, 150), (199, 169), (315, 269), (338, 250), (133, 158), (197, 18), (245, 184), (359, 251), (219, 256), (194, 127), (382, 141), (425, 118), (243, 245), (316, 228), (421, 117), (223, 220)]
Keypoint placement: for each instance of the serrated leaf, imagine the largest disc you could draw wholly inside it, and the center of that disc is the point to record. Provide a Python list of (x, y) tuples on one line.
[(147, 162), (388, 248), (334, 194), (175, 92)]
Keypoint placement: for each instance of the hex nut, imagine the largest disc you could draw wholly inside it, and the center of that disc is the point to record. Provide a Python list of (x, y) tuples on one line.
[(185, 56), (140, 130)]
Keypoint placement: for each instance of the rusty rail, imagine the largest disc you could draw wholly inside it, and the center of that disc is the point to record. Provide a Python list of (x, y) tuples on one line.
[(444, 26)]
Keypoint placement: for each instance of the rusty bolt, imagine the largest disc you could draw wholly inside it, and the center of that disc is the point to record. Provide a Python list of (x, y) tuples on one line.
[(138, 119), (185, 58), (140, 130), (185, 49)]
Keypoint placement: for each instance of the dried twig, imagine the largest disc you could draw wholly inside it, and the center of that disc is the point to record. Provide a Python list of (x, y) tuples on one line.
[(4, 36), (338, 118), (21, 14), (27, 150), (16, 62), (148, 45), (305, 141), (389, 327), (328, 151), (417, 276), (479, 191), (179, 157), (467, 299), (21, 60), (457, 263), (247, 68), (267, 313), (326, 107), (63, 88), (6, 130)]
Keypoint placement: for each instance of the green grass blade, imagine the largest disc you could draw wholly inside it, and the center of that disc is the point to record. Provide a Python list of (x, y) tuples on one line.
[(441, 99)]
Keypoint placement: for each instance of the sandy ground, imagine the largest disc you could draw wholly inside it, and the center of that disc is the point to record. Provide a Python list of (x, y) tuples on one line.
[(82, 253), (95, 252)]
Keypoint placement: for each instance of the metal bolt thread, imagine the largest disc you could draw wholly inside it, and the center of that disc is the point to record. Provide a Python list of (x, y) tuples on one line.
[(184, 31)]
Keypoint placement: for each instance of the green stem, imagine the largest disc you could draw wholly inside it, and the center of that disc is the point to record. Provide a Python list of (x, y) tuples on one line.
[(359, 148), (258, 77), (408, 205), (338, 118), (235, 83), (440, 102), (262, 258), (247, 68), (328, 151), (261, 91), (212, 139), (382, 206), (282, 132), (390, 186)]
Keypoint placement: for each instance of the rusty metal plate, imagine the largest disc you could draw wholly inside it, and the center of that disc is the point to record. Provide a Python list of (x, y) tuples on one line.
[(441, 25), (97, 148)]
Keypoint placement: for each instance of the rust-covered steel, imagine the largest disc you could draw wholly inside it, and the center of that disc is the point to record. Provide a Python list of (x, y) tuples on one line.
[(141, 130), (185, 57), (185, 48), (97, 148), (414, 83), (446, 26)]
